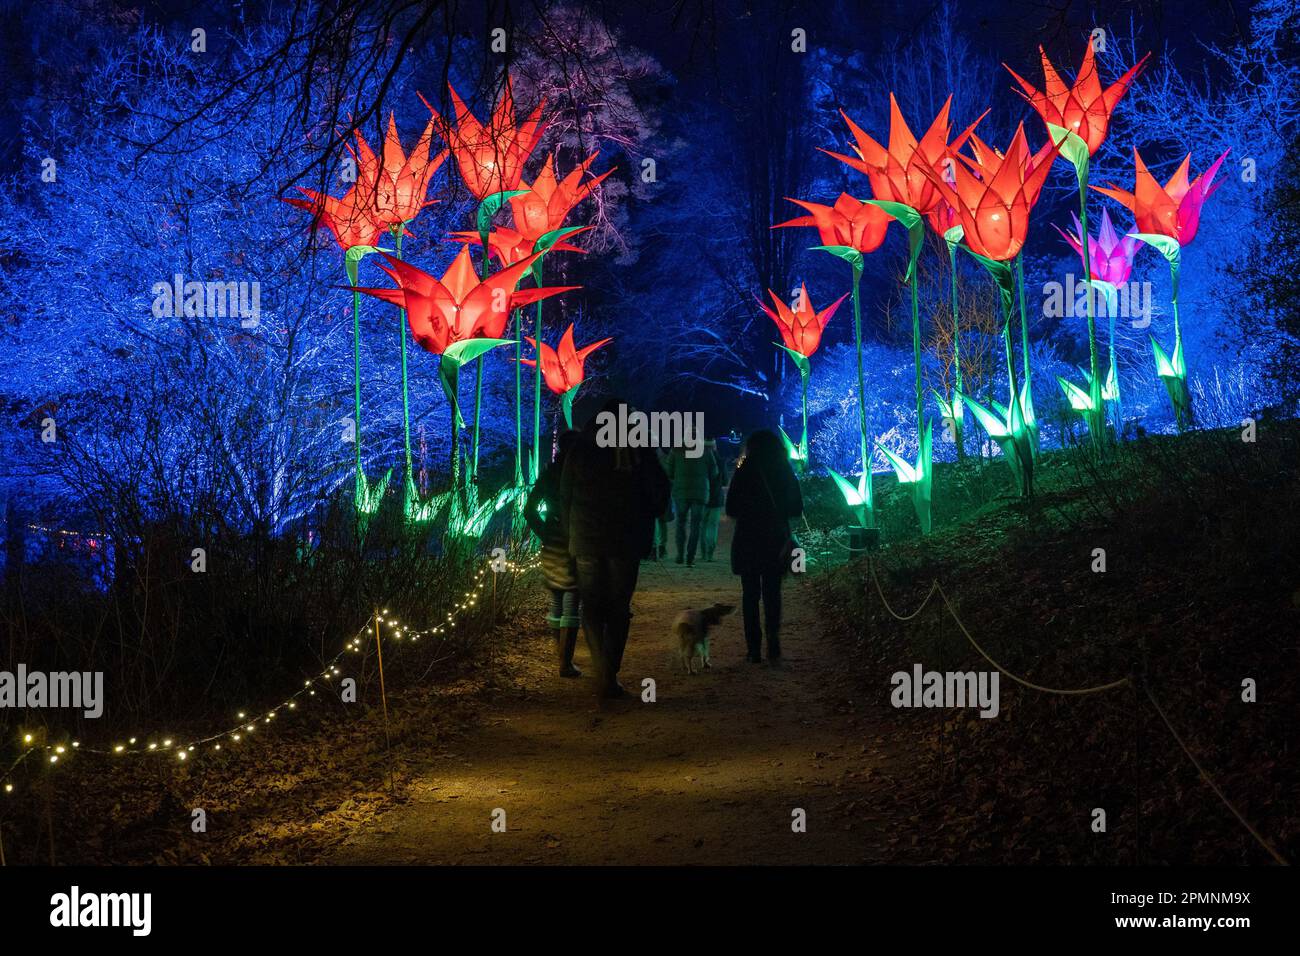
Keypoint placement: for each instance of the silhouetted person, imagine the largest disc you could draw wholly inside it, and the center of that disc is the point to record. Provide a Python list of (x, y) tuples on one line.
[(659, 549), (691, 478), (558, 567), (763, 497), (609, 499), (712, 507)]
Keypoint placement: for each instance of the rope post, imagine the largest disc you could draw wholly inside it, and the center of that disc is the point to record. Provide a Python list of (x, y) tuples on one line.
[(383, 696)]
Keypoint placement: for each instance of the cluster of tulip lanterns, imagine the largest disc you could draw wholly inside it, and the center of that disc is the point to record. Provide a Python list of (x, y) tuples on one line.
[(468, 312), (980, 201)]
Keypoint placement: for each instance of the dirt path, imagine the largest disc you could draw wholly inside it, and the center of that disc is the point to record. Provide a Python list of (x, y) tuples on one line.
[(708, 773)]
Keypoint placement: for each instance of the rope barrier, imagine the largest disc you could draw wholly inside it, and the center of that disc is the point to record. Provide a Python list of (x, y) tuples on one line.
[(1212, 785), (936, 587), (1020, 680), (247, 725)]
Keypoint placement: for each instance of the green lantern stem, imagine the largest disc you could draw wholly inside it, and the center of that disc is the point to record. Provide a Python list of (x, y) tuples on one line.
[(406, 400), (1181, 397), (457, 496), (367, 497), (1013, 433), (1185, 417), (952, 237), (799, 454), (1097, 417), (1113, 380), (519, 435), (487, 209), (478, 408), (1172, 368), (1022, 442), (916, 356), (1024, 323), (803, 442), (1012, 378), (869, 511), (862, 502), (478, 365), (356, 389), (911, 220), (1074, 149), (1027, 390), (537, 382)]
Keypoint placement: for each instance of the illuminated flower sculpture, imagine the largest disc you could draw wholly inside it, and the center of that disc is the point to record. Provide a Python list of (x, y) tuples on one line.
[(491, 158), (1110, 261), (993, 194), (801, 330), (850, 230), (547, 203), (1083, 108), (349, 218), (901, 178), (850, 223), (898, 173), (539, 212), (1078, 118), (1110, 255), (491, 161), (1172, 210), (459, 317), (510, 246), (565, 369), (1168, 218), (355, 228), (986, 165), (993, 209), (396, 186)]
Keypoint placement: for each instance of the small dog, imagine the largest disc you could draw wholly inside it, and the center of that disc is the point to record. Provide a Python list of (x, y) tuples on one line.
[(691, 630)]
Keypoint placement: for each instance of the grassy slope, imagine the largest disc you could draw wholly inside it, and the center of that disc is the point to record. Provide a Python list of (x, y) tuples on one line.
[(1202, 590)]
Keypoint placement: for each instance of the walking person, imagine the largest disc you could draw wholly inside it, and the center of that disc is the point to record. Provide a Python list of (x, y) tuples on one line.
[(609, 500), (559, 570), (659, 549), (763, 498), (690, 478), (712, 507)]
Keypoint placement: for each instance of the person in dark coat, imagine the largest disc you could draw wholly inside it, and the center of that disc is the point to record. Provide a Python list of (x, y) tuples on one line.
[(764, 496), (558, 567), (609, 500), (691, 479)]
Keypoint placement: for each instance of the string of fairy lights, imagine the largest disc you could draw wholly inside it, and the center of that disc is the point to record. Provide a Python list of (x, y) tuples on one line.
[(381, 624)]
